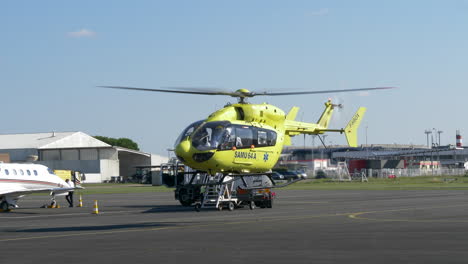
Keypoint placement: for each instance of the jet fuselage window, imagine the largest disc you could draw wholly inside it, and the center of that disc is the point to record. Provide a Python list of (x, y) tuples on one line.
[(35, 172), (21, 172), (14, 172), (29, 172), (7, 172)]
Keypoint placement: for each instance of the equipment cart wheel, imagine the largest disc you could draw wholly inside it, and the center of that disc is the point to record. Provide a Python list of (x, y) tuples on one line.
[(220, 207), (197, 207), (231, 206), (4, 206), (269, 204), (184, 197), (252, 205)]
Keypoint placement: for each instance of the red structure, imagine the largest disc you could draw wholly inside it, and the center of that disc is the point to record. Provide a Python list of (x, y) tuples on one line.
[(459, 140)]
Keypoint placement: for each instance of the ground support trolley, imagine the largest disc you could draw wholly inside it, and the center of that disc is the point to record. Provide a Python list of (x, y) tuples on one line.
[(219, 196), (257, 197)]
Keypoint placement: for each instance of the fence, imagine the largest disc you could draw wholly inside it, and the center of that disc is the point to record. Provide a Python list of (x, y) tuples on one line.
[(384, 173)]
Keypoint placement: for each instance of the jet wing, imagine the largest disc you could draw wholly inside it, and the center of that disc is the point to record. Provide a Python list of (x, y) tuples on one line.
[(18, 190)]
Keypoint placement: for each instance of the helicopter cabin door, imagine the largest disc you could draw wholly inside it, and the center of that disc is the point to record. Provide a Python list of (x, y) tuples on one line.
[(244, 145)]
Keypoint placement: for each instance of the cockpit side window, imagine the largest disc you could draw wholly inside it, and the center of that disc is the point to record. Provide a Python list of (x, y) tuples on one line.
[(228, 139), (209, 135), (50, 171)]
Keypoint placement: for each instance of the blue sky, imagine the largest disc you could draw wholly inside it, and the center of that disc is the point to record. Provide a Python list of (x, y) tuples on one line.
[(53, 54)]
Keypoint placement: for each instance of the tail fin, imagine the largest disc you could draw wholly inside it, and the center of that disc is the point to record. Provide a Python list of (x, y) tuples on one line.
[(292, 113), (352, 127), (291, 116), (324, 119)]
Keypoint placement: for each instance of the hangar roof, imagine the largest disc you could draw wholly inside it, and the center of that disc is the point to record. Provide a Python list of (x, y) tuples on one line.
[(50, 140), (120, 149)]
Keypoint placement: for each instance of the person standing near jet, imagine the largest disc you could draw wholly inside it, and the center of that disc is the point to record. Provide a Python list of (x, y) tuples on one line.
[(69, 196)]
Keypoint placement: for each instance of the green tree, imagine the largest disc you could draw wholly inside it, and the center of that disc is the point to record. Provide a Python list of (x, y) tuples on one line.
[(119, 142)]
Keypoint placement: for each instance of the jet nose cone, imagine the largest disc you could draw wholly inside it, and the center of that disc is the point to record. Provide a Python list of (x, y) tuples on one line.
[(182, 150)]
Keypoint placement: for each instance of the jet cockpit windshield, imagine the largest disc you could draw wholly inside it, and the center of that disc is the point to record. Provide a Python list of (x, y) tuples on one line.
[(188, 131), (210, 135)]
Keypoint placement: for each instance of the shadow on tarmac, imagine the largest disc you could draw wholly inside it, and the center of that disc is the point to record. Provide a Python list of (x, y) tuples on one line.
[(16, 212), (94, 228), (162, 208)]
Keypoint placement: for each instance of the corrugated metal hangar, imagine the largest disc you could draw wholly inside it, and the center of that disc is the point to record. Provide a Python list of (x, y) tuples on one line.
[(76, 151)]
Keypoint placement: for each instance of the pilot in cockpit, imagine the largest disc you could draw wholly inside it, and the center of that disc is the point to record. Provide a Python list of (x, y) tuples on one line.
[(204, 137), (216, 136)]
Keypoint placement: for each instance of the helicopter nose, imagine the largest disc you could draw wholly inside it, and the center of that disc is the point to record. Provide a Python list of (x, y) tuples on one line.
[(182, 150)]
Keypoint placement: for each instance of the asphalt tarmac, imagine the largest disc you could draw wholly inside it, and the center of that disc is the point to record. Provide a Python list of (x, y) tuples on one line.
[(302, 227)]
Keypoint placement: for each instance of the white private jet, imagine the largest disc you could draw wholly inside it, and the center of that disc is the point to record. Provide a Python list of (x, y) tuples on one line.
[(17, 180)]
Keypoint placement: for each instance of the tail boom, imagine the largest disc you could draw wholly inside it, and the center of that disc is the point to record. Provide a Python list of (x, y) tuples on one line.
[(294, 128)]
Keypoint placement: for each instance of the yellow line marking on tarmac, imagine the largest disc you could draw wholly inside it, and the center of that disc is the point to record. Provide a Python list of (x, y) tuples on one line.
[(358, 215)]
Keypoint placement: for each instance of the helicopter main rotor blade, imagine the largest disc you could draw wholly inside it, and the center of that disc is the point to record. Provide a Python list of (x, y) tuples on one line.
[(241, 93), (181, 90), (323, 91)]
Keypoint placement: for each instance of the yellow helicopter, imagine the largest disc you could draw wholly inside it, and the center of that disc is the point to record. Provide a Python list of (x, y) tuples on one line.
[(249, 138), (246, 139)]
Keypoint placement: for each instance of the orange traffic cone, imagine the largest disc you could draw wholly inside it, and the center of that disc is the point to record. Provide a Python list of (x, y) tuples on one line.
[(95, 209)]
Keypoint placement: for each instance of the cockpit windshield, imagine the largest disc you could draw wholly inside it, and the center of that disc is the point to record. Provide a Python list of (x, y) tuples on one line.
[(210, 135), (188, 131)]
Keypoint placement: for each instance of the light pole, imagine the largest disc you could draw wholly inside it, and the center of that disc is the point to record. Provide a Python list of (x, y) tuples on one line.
[(169, 153), (427, 132), (439, 132), (366, 134), (313, 150)]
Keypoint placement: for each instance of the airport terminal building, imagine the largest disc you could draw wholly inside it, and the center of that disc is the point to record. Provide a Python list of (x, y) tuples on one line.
[(78, 151)]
